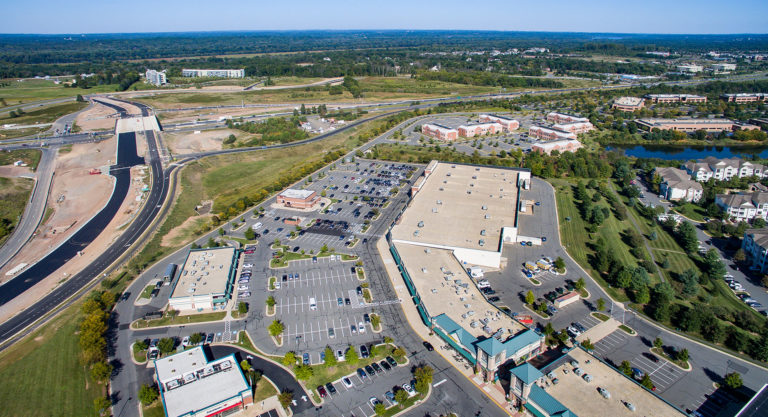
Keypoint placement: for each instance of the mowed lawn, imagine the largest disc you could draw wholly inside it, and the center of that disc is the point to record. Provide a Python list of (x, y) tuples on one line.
[(578, 242), (42, 375), (35, 90)]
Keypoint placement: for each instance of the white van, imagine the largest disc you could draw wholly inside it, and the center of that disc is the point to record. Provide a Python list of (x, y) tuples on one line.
[(312, 304), (257, 226)]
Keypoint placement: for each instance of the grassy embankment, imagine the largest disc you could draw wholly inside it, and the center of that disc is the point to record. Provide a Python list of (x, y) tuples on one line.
[(36, 90), (373, 89), (42, 375), (29, 156), (46, 114), (14, 194)]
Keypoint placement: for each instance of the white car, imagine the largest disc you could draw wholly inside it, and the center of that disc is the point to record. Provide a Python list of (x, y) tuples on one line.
[(185, 341), (409, 389), (248, 266), (361, 327), (483, 284), (347, 382)]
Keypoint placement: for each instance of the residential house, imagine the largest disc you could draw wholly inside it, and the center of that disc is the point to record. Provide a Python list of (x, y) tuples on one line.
[(755, 245), (744, 207), (676, 184)]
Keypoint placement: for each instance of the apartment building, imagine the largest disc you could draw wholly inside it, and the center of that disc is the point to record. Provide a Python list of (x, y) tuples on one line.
[(723, 169), (628, 103), (577, 128), (156, 77), (548, 133), (676, 184), (687, 125), (744, 97), (480, 129), (676, 98), (439, 131), (744, 207), (561, 145), (755, 245), (555, 117), (222, 73), (507, 123)]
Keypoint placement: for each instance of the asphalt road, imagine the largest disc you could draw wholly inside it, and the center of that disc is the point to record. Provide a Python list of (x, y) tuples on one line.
[(35, 208)]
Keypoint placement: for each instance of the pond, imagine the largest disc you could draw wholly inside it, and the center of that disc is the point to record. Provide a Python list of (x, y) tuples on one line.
[(690, 152)]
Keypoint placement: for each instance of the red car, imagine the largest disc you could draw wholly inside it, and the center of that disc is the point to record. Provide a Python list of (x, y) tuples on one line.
[(321, 390)]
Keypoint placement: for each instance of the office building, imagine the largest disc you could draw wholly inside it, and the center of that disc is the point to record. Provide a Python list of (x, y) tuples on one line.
[(687, 125), (690, 68), (206, 280), (576, 127), (560, 145), (676, 184), (628, 103), (191, 385), (723, 67), (439, 132), (221, 73), (676, 98), (507, 123), (555, 117), (156, 77), (480, 129), (548, 133), (301, 199), (744, 97)]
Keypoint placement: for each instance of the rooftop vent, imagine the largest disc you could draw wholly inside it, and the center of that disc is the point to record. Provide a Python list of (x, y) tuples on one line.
[(485, 207), (487, 216), (481, 242), (474, 177), (441, 189), (439, 201), (482, 232), (421, 223), (434, 209)]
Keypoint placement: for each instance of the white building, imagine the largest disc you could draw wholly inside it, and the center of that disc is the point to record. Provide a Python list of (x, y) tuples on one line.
[(206, 280), (156, 77), (192, 386), (755, 245), (555, 117), (222, 73), (547, 133), (690, 68), (723, 169), (723, 67), (744, 207), (507, 123), (676, 184)]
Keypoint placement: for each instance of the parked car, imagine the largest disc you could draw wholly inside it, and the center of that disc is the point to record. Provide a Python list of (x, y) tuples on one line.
[(364, 351), (377, 368), (374, 401), (391, 361), (331, 389), (331, 333), (361, 373), (428, 346), (385, 365), (347, 382), (370, 370), (409, 389), (305, 358), (361, 327), (321, 391), (391, 397)]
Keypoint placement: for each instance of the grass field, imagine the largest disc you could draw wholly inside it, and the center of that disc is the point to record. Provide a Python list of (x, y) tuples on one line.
[(167, 320), (14, 195), (29, 156), (36, 90), (264, 389), (42, 375), (46, 114), (692, 211), (153, 410)]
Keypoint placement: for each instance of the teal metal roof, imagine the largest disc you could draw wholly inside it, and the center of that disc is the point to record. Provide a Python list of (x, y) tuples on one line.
[(548, 403), (455, 330), (491, 346), (527, 373), (521, 340)]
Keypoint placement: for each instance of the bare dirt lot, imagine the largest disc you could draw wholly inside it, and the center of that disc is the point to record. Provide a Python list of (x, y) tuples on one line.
[(208, 114), (97, 117), (190, 142), (12, 171), (83, 196)]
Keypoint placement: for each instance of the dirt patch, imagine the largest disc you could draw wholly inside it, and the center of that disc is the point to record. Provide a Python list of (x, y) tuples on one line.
[(192, 115), (76, 197), (183, 230), (12, 171), (190, 142), (130, 108), (97, 117)]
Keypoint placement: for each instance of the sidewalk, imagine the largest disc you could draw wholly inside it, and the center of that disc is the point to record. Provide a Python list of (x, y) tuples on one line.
[(599, 331), (494, 391)]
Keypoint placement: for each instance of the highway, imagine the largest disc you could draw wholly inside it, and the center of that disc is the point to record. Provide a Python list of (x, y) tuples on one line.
[(35, 208)]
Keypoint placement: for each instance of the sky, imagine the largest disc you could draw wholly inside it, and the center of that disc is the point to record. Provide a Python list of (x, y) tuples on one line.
[(638, 16)]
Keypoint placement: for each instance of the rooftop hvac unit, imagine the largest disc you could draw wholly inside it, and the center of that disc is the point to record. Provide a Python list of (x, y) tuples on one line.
[(490, 195), (427, 250), (481, 242), (434, 209), (448, 174), (469, 191), (415, 232), (474, 177), (424, 270), (487, 216), (445, 182), (439, 202), (441, 188), (420, 224), (485, 207), (471, 184), (482, 232)]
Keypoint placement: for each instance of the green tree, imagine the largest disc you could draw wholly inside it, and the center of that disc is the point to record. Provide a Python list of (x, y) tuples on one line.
[(285, 398), (380, 409), (141, 344), (290, 359), (222, 232), (399, 352), (375, 321), (587, 344), (351, 356), (579, 284), (330, 357), (80, 98), (626, 368), (401, 396), (147, 394), (690, 280), (600, 304), (646, 382), (303, 372), (101, 405), (271, 301), (195, 338), (682, 355), (559, 264), (101, 371), (423, 376), (246, 366), (733, 381), (740, 256), (658, 343), (276, 328), (230, 140), (548, 329), (686, 234), (530, 298), (166, 345), (250, 234)]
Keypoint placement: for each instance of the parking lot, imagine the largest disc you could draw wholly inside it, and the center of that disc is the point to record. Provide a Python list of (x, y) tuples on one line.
[(355, 400), (320, 303)]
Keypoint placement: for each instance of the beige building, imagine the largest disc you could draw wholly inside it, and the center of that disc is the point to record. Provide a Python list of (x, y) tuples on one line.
[(560, 145), (439, 132), (676, 184), (507, 123), (555, 117), (687, 125), (628, 103), (676, 98), (576, 127), (549, 133), (206, 280), (744, 97)]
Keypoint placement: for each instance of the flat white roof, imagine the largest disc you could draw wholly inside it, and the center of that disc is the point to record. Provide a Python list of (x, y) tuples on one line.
[(299, 194), (459, 205), (628, 101), (555, 143), (191, 383), (204, 272)]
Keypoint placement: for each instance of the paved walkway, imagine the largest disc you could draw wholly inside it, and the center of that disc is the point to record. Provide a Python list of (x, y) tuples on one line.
[(494, 391), (599, 331)]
